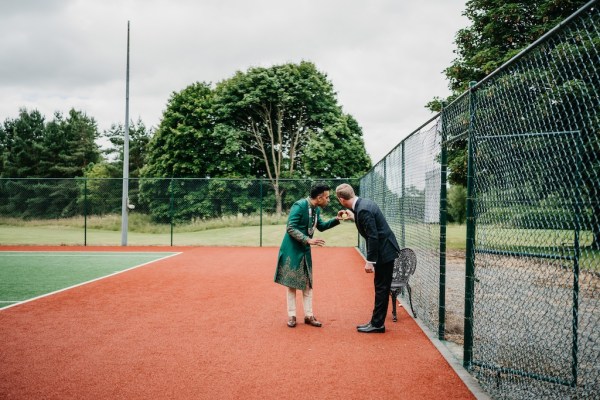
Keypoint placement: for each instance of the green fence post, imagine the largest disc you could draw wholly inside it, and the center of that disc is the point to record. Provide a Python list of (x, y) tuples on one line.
[(470, 252), (171, 208), (402, 217), (384, 185), (443, 219), (85, 211), (261, 211), (576, 247)]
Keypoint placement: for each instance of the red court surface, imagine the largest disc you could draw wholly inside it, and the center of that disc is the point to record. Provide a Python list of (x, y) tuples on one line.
[(210, 323)]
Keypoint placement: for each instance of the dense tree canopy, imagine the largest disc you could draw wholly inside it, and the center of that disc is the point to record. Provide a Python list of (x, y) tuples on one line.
[(258, 123), (288, 118), (139, 137), (498, 31), (277, 109), (61, 148), (277, 122), (188, 142), (338, 152), (22, 147), (32, 148), (182, 135)]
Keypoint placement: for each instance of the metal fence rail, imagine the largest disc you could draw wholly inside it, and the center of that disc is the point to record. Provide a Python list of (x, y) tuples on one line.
[(531, 133)]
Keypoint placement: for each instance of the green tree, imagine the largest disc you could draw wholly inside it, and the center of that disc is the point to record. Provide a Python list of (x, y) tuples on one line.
[(266, 122), (339, 152), (35, 149), (103, 189), (69, 145), (457, 203), (277, 110), (552, 88), (498, 31), (139, 138), (22, 146), (188, 143)]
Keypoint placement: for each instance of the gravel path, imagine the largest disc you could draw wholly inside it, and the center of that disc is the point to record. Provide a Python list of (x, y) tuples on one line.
[(455, 295)]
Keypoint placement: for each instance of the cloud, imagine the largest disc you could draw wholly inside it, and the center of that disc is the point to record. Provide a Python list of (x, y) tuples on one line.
[(384, 57)]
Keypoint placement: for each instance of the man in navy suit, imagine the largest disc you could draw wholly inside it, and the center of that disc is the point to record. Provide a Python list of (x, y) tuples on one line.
[(382, 250)]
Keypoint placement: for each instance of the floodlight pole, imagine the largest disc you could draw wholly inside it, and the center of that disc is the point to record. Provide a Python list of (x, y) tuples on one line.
[(125, 200)]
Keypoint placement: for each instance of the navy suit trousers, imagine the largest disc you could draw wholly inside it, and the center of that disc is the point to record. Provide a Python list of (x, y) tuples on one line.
[(383, 283)]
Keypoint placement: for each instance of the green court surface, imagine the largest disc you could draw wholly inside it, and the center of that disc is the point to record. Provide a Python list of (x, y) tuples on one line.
[(28, 274)]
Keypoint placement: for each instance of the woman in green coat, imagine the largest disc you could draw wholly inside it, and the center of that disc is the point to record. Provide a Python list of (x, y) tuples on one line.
[(294, 265)]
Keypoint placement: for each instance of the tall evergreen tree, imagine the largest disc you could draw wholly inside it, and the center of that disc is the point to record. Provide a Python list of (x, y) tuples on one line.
[(139, 139), (23, 145), (61, 148), (69, 145)]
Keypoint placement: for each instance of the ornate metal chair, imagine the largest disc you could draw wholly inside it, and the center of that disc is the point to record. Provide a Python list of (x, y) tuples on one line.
[(404, 267)]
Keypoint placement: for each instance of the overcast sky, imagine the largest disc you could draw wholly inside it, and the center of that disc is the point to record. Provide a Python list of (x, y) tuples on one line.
[(385, 58)]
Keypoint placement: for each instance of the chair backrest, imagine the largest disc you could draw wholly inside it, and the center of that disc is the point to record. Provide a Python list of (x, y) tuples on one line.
[(404, 267)]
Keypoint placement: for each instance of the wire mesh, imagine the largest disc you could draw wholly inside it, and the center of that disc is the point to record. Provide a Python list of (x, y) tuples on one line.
[(532, 295), (87, 211), (537, 298), (406, 186)]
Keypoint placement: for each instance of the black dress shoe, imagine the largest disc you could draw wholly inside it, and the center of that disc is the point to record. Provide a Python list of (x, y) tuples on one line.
[(312, 321), (363, 325), (371, 329)]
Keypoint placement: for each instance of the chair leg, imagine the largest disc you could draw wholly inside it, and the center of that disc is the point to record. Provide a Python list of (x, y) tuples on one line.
[(410, 300), (394, 294)]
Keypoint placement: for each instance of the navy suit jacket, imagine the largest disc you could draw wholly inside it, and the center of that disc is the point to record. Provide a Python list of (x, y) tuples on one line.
[(382, 246)]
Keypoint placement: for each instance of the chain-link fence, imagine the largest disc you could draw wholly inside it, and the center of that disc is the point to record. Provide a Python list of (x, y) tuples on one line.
[(530, 134), (87, 211), (530, 286), (406, 186), (536, 146)]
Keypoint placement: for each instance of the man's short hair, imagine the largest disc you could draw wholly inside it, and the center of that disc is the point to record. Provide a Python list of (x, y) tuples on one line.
[(318, 189), (344, 191)]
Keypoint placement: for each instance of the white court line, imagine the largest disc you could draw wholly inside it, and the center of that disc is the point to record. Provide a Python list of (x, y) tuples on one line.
[(74, 254), (90, 281)]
